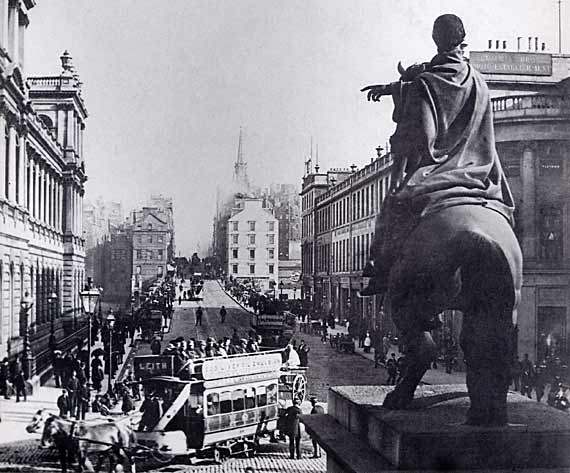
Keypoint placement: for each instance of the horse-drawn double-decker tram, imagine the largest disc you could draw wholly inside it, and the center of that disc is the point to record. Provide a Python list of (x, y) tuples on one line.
[(208, 407)]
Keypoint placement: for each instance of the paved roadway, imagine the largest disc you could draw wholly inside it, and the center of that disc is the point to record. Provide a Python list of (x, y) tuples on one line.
[(326, 368)]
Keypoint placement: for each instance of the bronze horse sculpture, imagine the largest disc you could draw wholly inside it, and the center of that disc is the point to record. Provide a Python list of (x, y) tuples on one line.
[(444, 238), (77, 440)]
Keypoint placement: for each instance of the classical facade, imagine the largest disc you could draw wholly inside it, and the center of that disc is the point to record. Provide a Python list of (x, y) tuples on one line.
[(338, 211), (42, 176), (253, 244), (531, 106)]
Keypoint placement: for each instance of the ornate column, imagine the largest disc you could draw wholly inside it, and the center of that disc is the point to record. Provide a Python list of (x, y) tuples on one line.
[(3, 124), (12, 162), (21, 131), (528, 210), (36, 189), (42, 197)]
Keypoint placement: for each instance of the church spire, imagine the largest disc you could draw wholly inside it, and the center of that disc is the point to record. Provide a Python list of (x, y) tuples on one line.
[(240, 166)]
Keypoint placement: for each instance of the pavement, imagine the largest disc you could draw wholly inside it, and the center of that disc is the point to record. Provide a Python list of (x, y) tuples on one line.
[(16, 415)]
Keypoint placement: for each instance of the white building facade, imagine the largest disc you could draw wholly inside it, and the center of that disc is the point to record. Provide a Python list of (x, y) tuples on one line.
[(42, 177), (253, 244)]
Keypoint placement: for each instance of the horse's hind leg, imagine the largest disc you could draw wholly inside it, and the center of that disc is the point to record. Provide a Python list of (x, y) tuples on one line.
[(487, 339)]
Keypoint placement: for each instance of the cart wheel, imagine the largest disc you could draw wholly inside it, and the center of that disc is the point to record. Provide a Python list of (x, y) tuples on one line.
[(299, 388), (217, 455)]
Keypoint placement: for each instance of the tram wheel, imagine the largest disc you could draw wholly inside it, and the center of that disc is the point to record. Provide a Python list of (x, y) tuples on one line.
[(299, 388), (217, 455)]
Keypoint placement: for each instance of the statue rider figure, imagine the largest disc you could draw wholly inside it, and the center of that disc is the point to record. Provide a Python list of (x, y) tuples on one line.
[(444, 157)]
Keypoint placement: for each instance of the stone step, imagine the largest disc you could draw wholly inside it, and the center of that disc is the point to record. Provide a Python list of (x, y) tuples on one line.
[(431, 433)]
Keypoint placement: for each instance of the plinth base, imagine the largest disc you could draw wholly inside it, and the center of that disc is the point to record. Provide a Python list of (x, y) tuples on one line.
[(431, 434)]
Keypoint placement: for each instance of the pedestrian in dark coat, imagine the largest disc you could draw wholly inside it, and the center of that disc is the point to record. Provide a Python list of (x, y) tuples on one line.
[(392, 368), (293, 423), (317, 409), (303, 351), (199, 313), (127, 405), (20, 386), (155, 346), (83, 400), (4, 375), (73, 387), (64, 404), (223, 313)]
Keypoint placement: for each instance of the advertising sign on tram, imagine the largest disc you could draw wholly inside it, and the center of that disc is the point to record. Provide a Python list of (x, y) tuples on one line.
[(218, 368)]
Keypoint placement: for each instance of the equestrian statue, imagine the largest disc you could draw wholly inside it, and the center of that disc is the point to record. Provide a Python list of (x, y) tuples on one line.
[(444, 238)]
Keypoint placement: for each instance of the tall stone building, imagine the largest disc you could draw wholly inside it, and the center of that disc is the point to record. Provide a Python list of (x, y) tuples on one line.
[(42, 176), (531, 106), (253, 244)]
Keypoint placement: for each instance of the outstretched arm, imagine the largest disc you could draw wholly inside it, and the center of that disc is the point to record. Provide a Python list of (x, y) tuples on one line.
[(375, 92)]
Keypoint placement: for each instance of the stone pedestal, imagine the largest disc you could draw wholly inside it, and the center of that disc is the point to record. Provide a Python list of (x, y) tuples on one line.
[(360, 436)]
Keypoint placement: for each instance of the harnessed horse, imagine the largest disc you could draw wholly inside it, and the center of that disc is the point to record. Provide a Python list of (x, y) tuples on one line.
[(75, 439)]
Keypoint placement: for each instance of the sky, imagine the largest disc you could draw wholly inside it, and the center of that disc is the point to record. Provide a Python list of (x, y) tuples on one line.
[(168, 84)]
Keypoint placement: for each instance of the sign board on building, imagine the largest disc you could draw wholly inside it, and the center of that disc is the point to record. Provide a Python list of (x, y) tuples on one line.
[(218, 368), (513, 63), (147, 366)]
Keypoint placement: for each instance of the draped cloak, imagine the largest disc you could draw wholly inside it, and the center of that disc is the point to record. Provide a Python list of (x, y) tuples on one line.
[(444, 154)]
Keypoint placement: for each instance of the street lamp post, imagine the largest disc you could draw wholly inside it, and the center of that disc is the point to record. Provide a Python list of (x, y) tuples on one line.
[(89, 297), (25, 305), (110, 324), (52, 299), (281, 286), (295, 292)]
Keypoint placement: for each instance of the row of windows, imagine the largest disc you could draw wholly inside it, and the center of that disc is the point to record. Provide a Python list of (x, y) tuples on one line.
[(150, 254), (270, 253), (159, 270), (241, 399), (270, 238), (251, 224), (361, 203), (270, 268), (340, 259), (151, 238)]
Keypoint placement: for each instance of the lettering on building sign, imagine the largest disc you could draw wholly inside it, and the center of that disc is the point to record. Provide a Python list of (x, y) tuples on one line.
[(514, 63), (270, 319), (241, 366)]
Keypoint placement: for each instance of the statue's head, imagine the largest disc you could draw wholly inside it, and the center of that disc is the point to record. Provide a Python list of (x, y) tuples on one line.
[(448, 32)]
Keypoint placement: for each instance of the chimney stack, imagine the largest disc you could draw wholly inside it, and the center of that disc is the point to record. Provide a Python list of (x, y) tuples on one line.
[(544, 46)]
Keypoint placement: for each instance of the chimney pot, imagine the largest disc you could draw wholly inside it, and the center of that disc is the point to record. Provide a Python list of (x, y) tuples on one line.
[(497, 44), (530, 43), (519, 43), (536, 43), (490, 44), (544, 46), (504, 45)]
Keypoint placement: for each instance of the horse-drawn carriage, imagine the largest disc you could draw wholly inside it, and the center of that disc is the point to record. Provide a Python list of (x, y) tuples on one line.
[(151, 322), (293, 383)]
